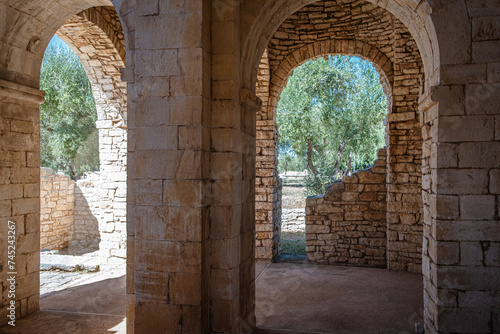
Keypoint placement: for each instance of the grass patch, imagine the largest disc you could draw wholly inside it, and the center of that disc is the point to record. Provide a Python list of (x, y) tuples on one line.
[(293, 243)]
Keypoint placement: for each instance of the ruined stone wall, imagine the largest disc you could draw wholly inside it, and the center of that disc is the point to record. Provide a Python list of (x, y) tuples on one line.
[(87, 213), (57, 202), (69, 212), (347, 225)]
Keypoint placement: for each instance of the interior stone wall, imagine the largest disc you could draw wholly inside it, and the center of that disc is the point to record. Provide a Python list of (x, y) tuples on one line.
[(20, 193), (348, 224)]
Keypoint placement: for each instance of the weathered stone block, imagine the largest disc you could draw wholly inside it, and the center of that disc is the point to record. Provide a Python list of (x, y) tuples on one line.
[(471, 254), (151, 317), (480, 207), (461, 181), (185, 289)]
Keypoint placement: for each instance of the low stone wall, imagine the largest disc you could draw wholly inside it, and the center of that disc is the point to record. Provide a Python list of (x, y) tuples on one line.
[(69, 212), (56, 209), (348, 224), (293, 220)]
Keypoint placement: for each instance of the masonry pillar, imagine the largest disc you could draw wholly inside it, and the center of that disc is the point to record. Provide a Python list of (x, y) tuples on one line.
[(169, 166), (20, 196), (404, 190), (461, 264), (113, 188), (232, 176)]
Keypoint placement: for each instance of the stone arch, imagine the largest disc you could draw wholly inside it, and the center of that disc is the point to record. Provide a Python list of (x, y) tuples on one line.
[(262, 21), (379, 60), (375, 34), (268, 186), (97, 38), (28, 28), (268, 130)]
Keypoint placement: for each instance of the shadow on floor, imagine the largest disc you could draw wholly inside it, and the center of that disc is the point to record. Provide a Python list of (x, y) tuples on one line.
[(308, 298), (94, 308)]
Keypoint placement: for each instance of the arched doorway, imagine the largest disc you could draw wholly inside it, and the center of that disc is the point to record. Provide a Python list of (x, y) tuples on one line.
[(405, 99)]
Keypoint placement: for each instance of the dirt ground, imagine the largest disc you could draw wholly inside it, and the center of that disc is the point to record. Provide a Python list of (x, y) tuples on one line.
[(293, 198)]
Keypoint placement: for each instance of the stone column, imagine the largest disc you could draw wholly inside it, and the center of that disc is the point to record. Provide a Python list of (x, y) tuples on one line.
[(20, 195), (169, 166), (232, 176), (461, 263), (267, 187)]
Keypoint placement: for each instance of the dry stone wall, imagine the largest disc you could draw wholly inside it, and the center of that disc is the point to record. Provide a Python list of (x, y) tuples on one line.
[(57, 204), (293, 220), (347, 225), (69, 212), (87, 213)]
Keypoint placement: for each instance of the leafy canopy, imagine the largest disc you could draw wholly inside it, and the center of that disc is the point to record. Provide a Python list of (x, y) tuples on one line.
[(69, 139), (330, 118)]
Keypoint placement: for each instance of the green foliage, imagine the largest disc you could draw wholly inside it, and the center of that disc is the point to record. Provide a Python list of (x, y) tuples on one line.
[(330, 117), (69, 139), (291, 162)]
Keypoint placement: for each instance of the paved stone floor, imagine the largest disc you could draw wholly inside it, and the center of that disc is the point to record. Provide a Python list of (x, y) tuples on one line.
[(291, 298)]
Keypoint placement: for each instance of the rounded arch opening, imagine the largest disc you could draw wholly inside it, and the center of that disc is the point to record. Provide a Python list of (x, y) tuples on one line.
[(397, 57)]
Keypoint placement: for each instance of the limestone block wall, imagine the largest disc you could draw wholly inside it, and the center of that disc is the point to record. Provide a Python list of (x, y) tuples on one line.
[(86, 235), (57, 203), (20, 194), (347, 225)]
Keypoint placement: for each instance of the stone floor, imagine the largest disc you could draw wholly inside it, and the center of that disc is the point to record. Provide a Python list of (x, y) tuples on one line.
[(291, 298), (307, 298)]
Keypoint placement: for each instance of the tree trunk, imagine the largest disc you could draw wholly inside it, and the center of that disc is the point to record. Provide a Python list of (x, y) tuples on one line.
[(349, 165), (339, 157), (310, 164)]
